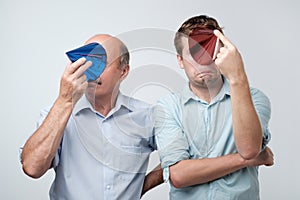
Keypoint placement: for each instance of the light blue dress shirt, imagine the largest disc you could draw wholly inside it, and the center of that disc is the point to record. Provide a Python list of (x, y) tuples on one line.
[(187, 127), (104, 157)]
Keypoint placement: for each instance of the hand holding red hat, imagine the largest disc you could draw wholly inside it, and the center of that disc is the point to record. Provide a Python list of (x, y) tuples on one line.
[(229, 60)]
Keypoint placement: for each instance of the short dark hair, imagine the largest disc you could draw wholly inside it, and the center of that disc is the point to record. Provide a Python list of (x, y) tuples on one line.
[(201, 21)]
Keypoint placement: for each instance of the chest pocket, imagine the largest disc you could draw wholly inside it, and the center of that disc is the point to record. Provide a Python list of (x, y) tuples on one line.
[(114, 148)]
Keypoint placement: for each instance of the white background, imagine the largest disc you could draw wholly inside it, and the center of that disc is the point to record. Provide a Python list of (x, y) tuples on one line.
[(36, 34)]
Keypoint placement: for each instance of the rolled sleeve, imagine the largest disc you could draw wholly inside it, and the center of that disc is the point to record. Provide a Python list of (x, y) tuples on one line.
[(20, 154), (172, 144), (262, 105)]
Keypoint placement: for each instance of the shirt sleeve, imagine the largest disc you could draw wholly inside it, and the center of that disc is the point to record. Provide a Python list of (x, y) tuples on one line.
[(262, 105), (152, 139), (171, 142)]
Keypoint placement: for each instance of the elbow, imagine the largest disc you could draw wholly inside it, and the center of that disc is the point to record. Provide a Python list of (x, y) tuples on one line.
[(176, 178), (31, 171), (250, 154), (250, 151)]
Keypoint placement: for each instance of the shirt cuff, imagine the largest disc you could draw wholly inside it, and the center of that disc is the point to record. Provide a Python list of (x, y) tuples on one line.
[(166, 174), (266, 138), (20, 155)]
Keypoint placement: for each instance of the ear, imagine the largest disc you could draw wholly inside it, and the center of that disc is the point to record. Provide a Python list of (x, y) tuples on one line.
[(180, 61), (125, 71)]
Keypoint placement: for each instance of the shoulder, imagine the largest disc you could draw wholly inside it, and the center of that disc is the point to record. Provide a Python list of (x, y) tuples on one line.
[(170, 99), (168, 105), (257, 93), (259, 96), (135, 105)]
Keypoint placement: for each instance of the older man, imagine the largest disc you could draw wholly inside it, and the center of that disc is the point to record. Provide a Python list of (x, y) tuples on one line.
[(97, 140)]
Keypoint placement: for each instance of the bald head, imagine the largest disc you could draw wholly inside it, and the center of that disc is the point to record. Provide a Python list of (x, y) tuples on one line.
[(115, 48), (101, 38)]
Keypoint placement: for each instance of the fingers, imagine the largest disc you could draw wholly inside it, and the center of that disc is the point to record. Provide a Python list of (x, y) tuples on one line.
[(270, 151), (270, 163), (77, 68), (81, 79), (71, 68), (270, 160), (73, 81), (216, 49), (223, 39), (82, 69), (82, 84)]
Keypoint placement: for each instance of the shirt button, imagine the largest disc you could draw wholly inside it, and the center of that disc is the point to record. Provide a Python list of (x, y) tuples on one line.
[(108, 187)]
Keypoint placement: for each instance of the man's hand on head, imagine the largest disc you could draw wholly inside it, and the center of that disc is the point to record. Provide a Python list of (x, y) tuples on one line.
[(229, 60), (73, 81)]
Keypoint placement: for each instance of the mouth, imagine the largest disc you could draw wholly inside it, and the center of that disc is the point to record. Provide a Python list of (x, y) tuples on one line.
[(204, 73), (98, 82)]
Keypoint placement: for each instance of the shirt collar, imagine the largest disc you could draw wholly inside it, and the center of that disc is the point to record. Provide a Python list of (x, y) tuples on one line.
[(82, 104), (188, 95), (122, 101)]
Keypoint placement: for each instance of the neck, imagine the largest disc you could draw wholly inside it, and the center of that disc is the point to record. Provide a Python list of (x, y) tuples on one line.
[(207, 92), (104, 104)]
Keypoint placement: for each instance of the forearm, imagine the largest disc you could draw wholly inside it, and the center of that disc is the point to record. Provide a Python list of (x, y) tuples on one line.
[(41, 147), (247, 129), (153, 178), (246, 125), (198, 171)]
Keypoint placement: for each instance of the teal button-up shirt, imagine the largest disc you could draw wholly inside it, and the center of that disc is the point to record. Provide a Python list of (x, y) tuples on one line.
[(187, 127)]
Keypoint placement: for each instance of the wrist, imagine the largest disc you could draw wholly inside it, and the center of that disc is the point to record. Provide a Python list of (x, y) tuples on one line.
[(242, 161), (62, 105), (238, 81)]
